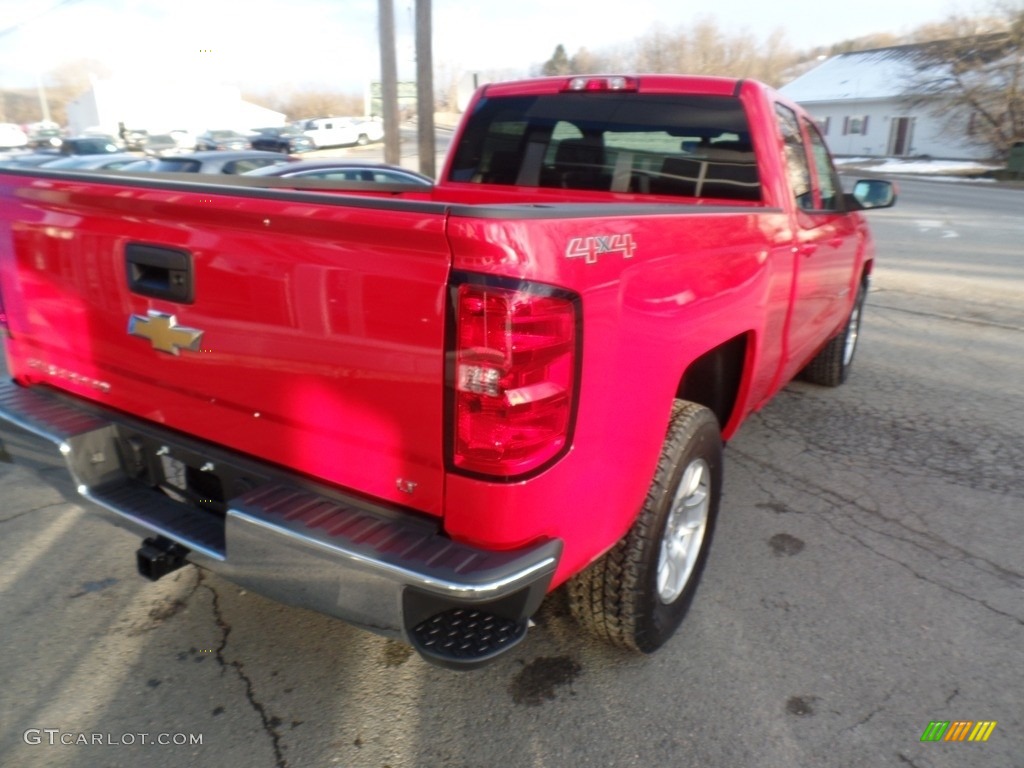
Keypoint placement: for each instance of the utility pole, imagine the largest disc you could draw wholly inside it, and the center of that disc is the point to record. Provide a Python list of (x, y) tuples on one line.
[(389, 81), (425, 89), (44, 106)]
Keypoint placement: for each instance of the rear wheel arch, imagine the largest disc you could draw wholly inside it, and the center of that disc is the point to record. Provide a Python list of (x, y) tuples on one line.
[(715, 379)]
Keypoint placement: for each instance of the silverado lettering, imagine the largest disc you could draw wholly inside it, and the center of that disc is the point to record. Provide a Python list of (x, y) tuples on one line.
[(422, 409)]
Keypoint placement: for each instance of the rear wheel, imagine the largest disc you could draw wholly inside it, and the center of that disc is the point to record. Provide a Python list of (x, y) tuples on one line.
[(363, 140), (831, 366), (637, 594)]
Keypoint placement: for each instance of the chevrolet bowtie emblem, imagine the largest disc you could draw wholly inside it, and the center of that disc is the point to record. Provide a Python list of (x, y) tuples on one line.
[(164, 333)]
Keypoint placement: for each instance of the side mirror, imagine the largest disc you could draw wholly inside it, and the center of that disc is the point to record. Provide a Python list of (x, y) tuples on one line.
[(873, 193)]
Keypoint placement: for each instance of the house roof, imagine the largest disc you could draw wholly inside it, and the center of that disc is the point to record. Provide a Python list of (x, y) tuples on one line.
[(883, 73)]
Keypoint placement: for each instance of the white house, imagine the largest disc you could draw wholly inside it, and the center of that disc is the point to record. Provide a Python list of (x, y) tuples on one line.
[(860, 102), (160, 107)]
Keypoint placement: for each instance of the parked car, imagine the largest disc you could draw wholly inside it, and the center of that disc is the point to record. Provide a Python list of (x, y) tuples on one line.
[(222, 139), (342, 131), (132, 139), (12, 136), (345, 170), (210, 161), (186, 140), (112, 162), (282, 139), (29, 159), (45, 138), (89, 145), (160, 144)]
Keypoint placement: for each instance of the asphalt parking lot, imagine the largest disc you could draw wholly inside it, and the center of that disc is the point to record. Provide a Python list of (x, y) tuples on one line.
[(866, 580)]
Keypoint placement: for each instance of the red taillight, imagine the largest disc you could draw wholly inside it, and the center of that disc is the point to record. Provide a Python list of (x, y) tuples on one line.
[(514, 378), (616, 83), (3, 315)]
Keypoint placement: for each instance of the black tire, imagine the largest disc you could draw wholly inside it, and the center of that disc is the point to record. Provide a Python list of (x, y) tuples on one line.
[(831, 366), (624, 597), (363, 140)]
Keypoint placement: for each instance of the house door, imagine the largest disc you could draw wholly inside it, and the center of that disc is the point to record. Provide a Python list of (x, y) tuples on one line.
[(901, 134)]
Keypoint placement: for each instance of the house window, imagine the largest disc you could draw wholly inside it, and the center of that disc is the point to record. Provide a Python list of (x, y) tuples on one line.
[(855, 125), (823, 124)]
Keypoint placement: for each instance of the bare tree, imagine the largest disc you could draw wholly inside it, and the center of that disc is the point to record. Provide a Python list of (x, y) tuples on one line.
[(863, 43), (584, 62), (977, 78), (310, 103), (558, 64), (704, 48), (20, 106), (657, 51), (67, 82)]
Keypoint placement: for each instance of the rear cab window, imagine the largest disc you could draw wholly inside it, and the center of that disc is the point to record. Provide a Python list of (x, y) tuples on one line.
[(658, 144)]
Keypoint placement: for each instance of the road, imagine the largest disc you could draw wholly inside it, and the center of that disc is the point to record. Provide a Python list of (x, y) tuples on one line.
[(866, 580)]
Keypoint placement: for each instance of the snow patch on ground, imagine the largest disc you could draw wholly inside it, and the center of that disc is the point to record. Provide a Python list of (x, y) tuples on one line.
[(953, 169)]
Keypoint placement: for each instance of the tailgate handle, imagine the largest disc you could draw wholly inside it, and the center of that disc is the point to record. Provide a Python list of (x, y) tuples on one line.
[(162, 273)]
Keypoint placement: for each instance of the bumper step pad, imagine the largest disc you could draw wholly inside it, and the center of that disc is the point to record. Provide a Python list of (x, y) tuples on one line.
[(464, 637)]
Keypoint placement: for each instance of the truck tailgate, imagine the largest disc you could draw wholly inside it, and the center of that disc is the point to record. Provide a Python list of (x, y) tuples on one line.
[(304, 329)]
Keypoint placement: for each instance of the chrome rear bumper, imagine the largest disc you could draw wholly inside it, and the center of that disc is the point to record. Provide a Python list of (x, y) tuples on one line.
[(385, 570)]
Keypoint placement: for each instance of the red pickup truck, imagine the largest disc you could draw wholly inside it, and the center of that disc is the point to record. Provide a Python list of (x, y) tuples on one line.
[(422, 409)]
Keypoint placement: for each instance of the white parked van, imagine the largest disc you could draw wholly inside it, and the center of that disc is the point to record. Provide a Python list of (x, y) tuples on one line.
[(12, 136), (342, 131)]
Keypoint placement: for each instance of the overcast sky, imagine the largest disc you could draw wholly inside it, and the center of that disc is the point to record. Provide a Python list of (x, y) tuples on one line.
[(265, 45)]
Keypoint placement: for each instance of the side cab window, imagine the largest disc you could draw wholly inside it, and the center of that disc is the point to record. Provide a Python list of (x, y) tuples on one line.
[(829, 188), (798, 170)]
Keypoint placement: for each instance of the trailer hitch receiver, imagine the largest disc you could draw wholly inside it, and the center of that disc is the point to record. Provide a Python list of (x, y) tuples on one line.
[(159, 556)]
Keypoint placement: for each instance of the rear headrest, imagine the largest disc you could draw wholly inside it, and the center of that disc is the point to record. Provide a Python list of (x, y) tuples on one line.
[(585, 151)]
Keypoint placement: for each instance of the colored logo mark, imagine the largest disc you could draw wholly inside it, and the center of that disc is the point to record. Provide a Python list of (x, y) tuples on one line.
[(959, 730)]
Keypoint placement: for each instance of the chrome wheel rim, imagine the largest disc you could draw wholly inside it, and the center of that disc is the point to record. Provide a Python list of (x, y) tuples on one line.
[(852, 332), (684, 531)]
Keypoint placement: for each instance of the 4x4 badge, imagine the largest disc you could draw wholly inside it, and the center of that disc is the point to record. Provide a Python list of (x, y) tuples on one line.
[(164, 333), (589, 248)]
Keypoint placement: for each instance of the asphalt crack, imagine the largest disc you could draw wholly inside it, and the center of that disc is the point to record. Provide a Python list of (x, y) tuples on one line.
[(932, 544), (906, 760), (1011, 577), (927, 579), (867, 718), (270, 723), (949, 318), (914, 442), (25, 512)]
